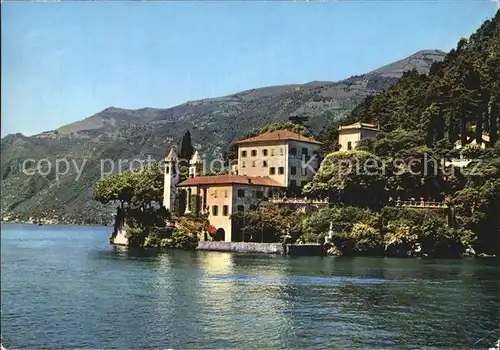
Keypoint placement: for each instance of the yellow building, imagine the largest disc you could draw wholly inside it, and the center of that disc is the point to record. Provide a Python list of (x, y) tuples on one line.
[(274, 161), (350, 135), (286, 157)]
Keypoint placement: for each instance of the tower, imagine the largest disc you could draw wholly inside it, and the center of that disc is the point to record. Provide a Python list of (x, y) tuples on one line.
[(171, 178), (195, 165)]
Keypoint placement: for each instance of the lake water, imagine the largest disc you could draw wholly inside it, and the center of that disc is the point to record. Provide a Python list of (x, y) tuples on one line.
[(66, 287)]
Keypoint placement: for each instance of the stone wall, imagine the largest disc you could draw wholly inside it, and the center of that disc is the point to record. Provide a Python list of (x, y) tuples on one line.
[(120, 238), (241, 247), (265, 248)]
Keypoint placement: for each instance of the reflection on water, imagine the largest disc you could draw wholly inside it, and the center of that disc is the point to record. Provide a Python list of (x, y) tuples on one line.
[(66, 287)]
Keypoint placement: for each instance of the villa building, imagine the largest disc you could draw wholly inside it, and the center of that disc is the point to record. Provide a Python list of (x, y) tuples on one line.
[(350, 135), (274, 162)]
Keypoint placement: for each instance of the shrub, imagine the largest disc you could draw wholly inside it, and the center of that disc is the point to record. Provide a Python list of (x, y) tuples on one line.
[(136, 236), (180, 239), (342, 218), (365, 238)]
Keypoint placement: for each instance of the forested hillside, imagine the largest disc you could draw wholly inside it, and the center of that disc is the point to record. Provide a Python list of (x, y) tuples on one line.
[(451, 113), (116, 133), (458, 100)]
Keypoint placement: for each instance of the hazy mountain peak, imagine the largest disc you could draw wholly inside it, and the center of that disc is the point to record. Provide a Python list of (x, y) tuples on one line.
[(421, 61)]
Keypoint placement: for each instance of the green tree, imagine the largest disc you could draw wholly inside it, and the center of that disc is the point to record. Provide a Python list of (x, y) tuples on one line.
[(301, 120), (350, 177), (266, 223), (187, 150)]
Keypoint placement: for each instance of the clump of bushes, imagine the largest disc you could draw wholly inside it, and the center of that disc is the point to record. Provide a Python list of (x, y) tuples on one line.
[(161, 237), (135, 236), (392, 231), (180, 239)]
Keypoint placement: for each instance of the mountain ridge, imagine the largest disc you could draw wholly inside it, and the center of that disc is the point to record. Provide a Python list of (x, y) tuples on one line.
[(115, 133)]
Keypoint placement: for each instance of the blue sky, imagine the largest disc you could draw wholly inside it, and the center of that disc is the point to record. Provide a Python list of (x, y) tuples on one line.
[(62, 62)]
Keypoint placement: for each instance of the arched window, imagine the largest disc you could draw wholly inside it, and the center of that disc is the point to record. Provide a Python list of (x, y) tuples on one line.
[(349, 145)]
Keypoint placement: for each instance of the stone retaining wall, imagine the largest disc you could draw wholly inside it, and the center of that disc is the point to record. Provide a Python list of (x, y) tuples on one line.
[(241, 247), (265, 248), (120, 238)]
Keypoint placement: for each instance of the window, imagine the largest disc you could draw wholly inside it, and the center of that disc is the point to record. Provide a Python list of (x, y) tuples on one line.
[(272, 171), (167, 169), (253, 164), (243, 153), (272, 152), (225, 210), (254, 153), (259, 194), (225, 193), (293, 170), (281, 170), (243, 164), (293, 151), (253, 207), (293, 183), (264, 152), (304, 171), (215, 210), (305, 151), (349, 145), (241, 208), (281, 151), (264, 163), (241, 193)]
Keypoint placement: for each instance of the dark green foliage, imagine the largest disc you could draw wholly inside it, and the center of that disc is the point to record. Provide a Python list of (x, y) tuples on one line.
[(187, 149), (265, 224), (300, 120), (391, 231), (168, 238), (316, 225), (136, 187), (350, 177), (458, 98), (171, 238), (195, 204), (136, 236), (424, 117), (180, 240), (477, 205)]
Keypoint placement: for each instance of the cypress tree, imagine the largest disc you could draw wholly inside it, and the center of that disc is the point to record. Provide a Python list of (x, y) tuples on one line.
[(187, 149), (494, 119), (299, 119)]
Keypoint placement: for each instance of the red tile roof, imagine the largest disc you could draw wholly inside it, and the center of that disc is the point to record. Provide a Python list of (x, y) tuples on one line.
[(279, 135), (231, 179), (360, 125)]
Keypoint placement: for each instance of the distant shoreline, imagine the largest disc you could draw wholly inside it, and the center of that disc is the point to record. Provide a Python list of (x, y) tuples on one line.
[(58, 224)]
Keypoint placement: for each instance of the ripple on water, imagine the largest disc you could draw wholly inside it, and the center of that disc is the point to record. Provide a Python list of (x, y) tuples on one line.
[(68, 288)]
